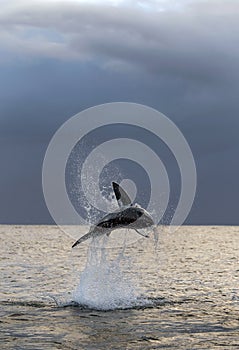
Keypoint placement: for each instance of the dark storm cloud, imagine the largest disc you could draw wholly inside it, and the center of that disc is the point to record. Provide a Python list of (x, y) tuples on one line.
[(57, 59), (199, 42)]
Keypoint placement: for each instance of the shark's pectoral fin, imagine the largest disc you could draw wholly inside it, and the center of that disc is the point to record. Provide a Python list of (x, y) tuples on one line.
[(83, 238), (142, 234)]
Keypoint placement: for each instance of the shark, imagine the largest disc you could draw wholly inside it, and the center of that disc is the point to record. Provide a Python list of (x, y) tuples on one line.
[(129, 215)]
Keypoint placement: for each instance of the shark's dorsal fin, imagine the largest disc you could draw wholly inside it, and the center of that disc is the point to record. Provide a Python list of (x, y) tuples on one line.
[(121, 196)]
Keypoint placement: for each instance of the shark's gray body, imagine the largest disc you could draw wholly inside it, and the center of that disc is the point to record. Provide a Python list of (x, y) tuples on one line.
[(128, 216)]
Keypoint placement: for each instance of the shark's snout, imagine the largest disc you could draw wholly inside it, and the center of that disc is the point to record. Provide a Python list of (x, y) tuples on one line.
[(144, 221), (148, 220)]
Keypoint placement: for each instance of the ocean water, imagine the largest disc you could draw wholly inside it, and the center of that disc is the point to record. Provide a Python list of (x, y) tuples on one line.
[(181, 293)]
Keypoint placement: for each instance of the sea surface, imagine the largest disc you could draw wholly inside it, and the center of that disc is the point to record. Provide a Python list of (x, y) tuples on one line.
[(180, 292)]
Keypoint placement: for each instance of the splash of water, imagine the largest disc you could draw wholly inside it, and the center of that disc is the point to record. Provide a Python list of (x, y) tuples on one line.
[(106, 281), (110, 278)]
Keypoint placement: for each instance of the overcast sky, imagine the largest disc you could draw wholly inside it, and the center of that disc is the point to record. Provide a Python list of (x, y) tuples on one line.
[(60, 57)]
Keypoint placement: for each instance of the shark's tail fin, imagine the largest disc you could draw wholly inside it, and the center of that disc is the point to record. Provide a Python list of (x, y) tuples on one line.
[(121, 196)]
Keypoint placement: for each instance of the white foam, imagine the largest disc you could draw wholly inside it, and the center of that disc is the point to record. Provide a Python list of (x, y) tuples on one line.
[(107, 281)]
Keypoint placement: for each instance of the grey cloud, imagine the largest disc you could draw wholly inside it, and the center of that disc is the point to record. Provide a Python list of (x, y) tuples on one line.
[(197, 42), (182, 62)]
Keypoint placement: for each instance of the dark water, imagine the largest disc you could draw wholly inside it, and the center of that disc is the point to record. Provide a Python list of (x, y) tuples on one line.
[(184, 295)]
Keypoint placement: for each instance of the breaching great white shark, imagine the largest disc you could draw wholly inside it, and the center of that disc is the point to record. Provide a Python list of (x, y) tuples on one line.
[(129, 215)]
